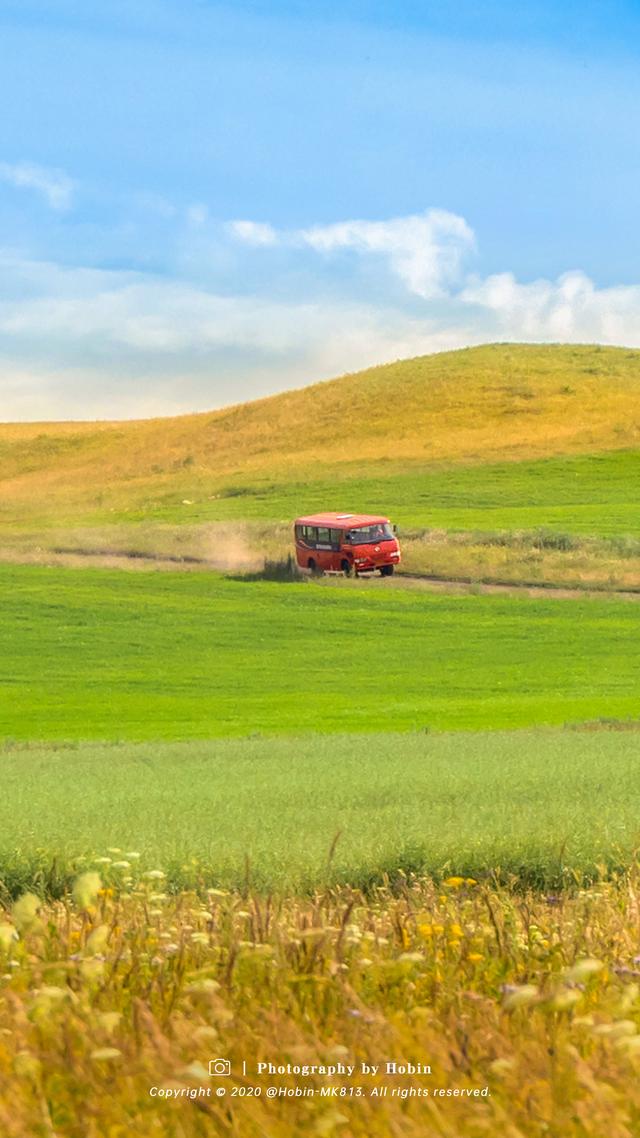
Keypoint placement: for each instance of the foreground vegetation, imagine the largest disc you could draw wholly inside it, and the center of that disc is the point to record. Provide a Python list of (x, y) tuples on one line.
[(107, 655), (296, 814), (114, 999)]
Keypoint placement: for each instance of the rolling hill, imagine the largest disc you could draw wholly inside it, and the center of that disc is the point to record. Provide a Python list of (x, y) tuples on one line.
[(497, 403)]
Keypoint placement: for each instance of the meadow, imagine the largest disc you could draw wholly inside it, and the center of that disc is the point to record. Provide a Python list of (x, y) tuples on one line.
[(326, 821), (295, 814), (101, 654)]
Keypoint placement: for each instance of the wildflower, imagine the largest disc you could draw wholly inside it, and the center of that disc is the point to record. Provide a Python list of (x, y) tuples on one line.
[(97, 941), (25, 912), (8, 934), (474, 957), (105, 1054), (205, 1034), (54, 993), (109, 1021), (621, 1029), (205, 986), (155, 875), (564, 1000), (102, 861), (454, 882), (92, 970), (583, 969), (86, 889), (456, 931), (519, 995), (132, 855), (195, 1071), (121, 865), (501, 1067)]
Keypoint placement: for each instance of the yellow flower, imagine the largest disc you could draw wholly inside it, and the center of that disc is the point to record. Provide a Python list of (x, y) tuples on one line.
[(454, 882), (456, 931), (425, 931), (474, 957)]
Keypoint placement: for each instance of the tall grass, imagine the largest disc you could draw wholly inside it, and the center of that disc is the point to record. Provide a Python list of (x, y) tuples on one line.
[(114, 1000)]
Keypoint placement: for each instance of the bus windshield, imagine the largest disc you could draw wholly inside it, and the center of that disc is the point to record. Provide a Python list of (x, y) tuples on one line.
[(366, 535)]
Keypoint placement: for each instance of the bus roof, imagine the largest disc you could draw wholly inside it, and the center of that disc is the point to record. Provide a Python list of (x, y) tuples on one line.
[(341, 521)]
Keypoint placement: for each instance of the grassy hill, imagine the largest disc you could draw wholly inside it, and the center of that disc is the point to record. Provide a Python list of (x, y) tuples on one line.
[(508, 439), (506, 402)]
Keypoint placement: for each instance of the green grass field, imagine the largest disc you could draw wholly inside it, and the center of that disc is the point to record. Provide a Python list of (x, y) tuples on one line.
[(528, 803), (584, 494), (103, 655), (97, 654)]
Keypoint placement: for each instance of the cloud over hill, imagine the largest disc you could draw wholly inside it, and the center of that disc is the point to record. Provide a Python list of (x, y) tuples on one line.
[(305, 304)]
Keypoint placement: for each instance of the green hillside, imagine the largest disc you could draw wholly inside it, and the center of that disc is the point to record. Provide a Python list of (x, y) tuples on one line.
[(481, 404)]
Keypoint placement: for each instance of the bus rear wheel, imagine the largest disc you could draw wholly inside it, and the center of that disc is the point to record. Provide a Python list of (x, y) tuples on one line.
[(346, 568), (386, 570), (314, 568)]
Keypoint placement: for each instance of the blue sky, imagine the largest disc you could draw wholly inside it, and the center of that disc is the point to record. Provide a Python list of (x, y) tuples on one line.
[(201, 203)]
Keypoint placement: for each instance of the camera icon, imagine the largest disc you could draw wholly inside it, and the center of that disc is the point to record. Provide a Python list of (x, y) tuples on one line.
[(219, 1067)]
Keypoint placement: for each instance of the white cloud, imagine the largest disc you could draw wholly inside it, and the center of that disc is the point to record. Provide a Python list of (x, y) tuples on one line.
[(81, 342), (570, 308), (179, 346), (425, 250), (56, 186), (254, 232), (197, 214)]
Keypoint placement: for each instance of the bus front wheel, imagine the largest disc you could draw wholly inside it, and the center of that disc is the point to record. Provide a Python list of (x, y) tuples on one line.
[(386, 570), (346, 568)]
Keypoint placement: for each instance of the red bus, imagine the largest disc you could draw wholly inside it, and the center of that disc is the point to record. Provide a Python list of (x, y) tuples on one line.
[(346, 543)]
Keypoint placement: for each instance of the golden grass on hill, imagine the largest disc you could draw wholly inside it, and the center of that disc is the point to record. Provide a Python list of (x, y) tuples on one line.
[(505, 401), (113, 1002)]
